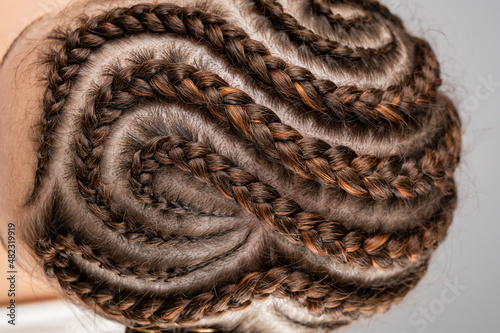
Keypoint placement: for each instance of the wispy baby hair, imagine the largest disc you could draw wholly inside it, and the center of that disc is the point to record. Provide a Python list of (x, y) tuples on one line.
[(201, 159)]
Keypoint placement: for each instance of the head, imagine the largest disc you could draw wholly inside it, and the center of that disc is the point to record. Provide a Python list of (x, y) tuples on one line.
[(229, 165)]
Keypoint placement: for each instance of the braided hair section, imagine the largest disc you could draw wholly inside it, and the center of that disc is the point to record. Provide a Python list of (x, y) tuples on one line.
[(246, 55), (209, 169)]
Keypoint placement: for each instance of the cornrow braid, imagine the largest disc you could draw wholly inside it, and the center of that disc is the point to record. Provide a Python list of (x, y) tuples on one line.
[(291, 82), (337, 166), (322, 6), (399, 103), (65, 245), (322, 9), (319, 296), (201, 185), (321, 236)]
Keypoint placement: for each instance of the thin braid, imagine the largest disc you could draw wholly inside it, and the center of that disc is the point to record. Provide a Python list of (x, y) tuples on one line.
[(337, 166), (319, 296), (282, 21), (368, 5), (290, 82), (320, 9), (317, 233), (144, 179), (50, 249)]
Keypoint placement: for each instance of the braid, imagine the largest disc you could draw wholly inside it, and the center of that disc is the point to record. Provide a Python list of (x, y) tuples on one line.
[(65, 245), (337, 166), (322, 6), (267, 179), (321, 46), (319, 296), (262, 200), (321, 9), (290, 82), (395, 105), (320, 235)]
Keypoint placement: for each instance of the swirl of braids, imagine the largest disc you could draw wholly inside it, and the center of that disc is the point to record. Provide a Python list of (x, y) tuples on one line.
[(199, 186)]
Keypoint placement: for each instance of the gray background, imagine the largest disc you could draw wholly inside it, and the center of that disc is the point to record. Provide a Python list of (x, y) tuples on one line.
[(464, 34)]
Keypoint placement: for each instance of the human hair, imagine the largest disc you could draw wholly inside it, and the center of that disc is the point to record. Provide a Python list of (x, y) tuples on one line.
[(200, 159)]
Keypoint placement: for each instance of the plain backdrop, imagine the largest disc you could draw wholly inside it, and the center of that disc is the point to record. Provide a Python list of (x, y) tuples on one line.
[(461, 292)]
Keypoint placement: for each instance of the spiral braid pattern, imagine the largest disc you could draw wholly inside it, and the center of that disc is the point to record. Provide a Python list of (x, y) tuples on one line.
[(319, 296)]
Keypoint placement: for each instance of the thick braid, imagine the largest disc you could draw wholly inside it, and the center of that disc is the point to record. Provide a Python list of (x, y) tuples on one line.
[(291, 82)]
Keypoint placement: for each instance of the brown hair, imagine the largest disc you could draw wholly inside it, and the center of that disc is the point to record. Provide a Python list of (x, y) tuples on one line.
[(186, 195)]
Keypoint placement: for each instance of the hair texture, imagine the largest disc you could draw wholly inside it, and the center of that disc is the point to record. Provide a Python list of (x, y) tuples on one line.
[(197, 158)]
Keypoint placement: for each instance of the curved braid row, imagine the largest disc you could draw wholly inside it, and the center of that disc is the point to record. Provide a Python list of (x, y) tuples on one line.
[(285, 215), (319, 8), (367, 5), (290, 82), (89, 151), (312, 158), (418, 88), (318, 295), (108, 106), (319, 45), (52, 249)]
